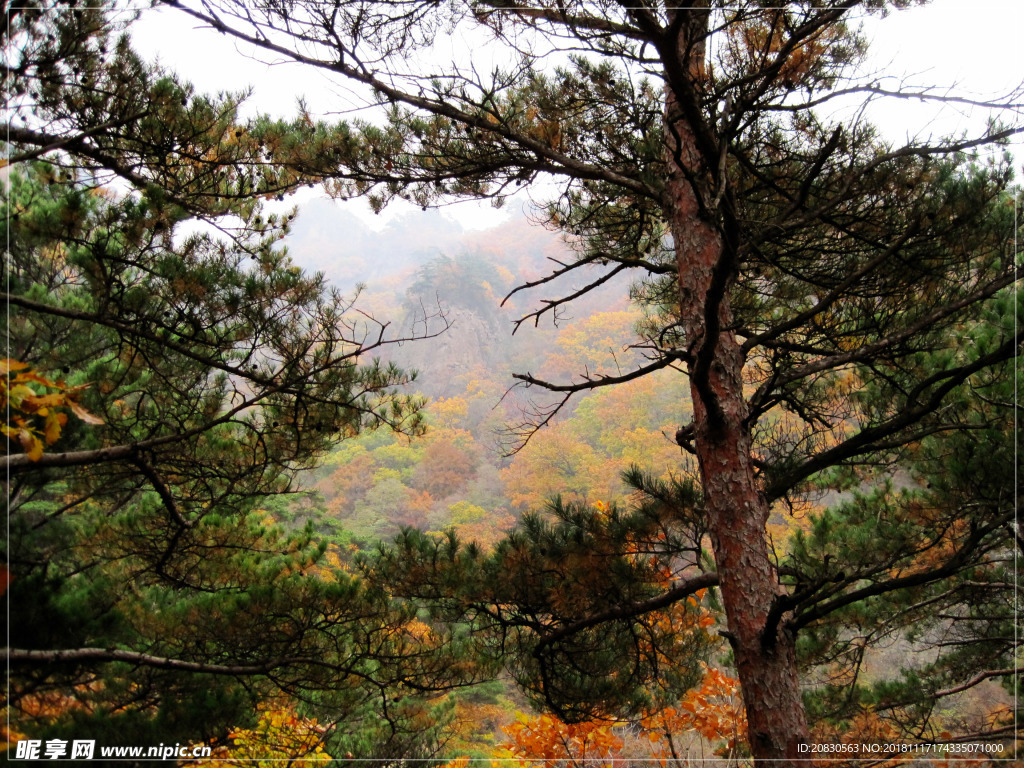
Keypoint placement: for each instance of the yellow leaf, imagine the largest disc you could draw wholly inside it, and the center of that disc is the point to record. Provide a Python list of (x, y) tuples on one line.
[(54, 421), (7, 365), (32, 376), (32, 445)]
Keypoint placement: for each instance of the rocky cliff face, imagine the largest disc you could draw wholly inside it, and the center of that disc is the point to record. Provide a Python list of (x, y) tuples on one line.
[(472, 339), (423, 272)]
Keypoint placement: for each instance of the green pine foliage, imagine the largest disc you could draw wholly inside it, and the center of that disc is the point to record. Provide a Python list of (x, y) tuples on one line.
[(154, 595), (174, 575)]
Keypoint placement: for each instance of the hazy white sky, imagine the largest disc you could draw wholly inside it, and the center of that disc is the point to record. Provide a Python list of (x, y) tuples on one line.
[(973, 44)]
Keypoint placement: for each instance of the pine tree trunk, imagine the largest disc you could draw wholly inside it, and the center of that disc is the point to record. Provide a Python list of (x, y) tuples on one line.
[(737, 511), (737, 514)]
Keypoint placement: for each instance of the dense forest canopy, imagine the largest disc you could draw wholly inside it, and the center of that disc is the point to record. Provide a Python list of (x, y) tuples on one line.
[(825, 323)]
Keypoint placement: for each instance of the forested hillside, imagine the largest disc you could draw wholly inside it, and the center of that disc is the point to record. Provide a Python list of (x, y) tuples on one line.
[(713, 455), (466, 471)]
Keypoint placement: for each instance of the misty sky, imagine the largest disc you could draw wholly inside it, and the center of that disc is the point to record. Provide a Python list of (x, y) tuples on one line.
[(975, 45)]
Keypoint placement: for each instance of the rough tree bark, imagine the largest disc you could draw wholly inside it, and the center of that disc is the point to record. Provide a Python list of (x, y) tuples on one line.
[(737, 511), (465, 135)]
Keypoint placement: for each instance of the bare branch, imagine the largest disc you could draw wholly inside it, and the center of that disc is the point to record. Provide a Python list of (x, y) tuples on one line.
[(109, 655), (952, 565), (913, 95), (979, 678), (552, 305), (602, 380), (560, 16), (868, 351)]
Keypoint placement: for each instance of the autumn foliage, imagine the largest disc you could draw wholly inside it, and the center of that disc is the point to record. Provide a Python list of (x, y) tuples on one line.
[(36, 407), (768, 400), (708, 721), (279, 735)]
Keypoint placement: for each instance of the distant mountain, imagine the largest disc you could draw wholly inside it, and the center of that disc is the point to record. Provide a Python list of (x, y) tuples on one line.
[(326, 238), (424, 271)]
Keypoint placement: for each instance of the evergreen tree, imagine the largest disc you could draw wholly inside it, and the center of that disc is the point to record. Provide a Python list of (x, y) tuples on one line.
[(163, 383), (808, 277), (933, 566), (596, 612)]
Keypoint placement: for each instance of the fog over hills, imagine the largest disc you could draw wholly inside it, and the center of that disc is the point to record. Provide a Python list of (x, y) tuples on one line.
[(326, 238), (423, 271)]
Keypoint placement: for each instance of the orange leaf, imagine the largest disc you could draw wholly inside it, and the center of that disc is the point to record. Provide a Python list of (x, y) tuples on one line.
[(83, 414), (7, 365)]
